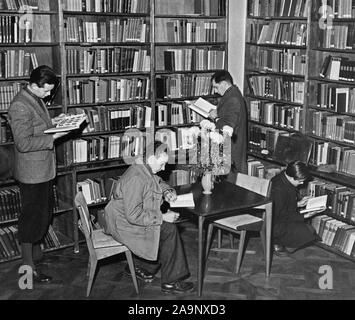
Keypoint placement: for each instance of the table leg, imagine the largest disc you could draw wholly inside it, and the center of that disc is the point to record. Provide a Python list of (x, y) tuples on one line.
[(268, 222), (200, 256)]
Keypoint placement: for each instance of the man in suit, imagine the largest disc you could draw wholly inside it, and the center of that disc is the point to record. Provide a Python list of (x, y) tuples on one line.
[(133, 217), (232, 114), (34, 163)]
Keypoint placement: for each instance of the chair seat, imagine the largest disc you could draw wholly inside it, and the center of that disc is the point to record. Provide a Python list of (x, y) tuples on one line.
[(240, 222), (103, 240)]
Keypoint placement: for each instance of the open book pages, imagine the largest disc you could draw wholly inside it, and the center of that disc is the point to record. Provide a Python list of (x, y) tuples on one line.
[(183, 200), (67, 123), (201, 106), (315, 204), (237, 221)]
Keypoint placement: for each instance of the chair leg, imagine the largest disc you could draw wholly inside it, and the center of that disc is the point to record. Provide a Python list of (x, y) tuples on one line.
[(240, 250), (209, 239), (131, 268), (93, 264), (219, 239), (231, 240), (88, 269)]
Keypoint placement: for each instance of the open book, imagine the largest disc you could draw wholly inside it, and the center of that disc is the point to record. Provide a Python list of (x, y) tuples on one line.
[(201, 106), (183, 200), (67, 123), (315, 204)]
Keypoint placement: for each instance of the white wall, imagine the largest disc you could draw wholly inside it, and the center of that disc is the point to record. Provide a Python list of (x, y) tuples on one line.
[(237, 22)]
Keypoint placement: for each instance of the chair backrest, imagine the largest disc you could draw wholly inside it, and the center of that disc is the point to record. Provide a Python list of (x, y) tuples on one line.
[(84, 214), (255, 184)]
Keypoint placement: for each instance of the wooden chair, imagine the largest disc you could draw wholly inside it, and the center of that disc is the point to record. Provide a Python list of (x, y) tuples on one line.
[(100, 245), (240, 224)]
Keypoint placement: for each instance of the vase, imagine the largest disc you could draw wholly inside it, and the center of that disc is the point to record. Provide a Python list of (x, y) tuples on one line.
[(207, 182)]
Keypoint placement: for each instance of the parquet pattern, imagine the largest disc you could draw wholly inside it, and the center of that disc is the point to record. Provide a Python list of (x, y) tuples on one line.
[(296, 277)]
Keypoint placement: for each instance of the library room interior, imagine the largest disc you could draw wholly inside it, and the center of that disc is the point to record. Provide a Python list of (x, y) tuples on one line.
[(177, 150)]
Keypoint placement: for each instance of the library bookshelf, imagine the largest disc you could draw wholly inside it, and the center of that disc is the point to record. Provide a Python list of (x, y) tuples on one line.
[(130, 66), (300, 80)]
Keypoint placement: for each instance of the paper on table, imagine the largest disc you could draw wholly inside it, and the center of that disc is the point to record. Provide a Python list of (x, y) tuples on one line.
[(183, 200), (315, 204)]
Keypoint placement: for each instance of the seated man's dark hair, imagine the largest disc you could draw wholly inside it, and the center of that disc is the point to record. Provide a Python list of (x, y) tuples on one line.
[(298, 170), (156, 148), (222, 75), (43, 74)]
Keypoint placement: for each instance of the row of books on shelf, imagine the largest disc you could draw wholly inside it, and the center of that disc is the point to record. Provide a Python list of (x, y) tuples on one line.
[(189, 59), (119, 6), (98, 90), (339, 9), (107, 60), (193, 7), (182, 85), (5, 130), (261, 169), (94, 190), (185, 31), (336, 234), (338, 37), (18, 4), (333, 97), (106, 147), (277, 8), (336, 158), (291, 61), (103, 118), (179, 177), (338, 68), (280, 115), (331, 126), (17, 63), (11, 248), (176, 113), (82, 30), (17, 29), (277, 32), (276, 87), (10, 202), (340, 199), (263, 139), (7, 93)]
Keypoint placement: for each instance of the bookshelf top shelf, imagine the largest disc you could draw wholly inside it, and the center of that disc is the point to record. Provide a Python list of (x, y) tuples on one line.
[(278, 18), (188, 16), (274, 45), (36, 12), (351, 51), (114, 14)]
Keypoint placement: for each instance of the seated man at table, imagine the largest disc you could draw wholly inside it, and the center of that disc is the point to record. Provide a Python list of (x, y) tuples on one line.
[(133, 217)]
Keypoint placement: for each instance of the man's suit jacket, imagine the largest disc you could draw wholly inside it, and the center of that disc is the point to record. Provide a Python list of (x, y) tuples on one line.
[(232, 111), (34, 150), (133, 215)]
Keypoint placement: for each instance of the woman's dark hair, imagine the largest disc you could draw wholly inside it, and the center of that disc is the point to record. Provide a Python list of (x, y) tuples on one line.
[(298, 170), (222, 75), (43, 74)]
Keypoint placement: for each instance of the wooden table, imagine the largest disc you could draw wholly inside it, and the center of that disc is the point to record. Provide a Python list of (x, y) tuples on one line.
[(226, 200)]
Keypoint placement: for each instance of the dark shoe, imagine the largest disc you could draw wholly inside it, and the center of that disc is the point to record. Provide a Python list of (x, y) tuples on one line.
[(177, 287), (280, 251), (40, 277), (141, 274)]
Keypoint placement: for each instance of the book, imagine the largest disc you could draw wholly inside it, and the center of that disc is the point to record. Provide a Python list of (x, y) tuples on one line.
[(67, 123), (201, 106), (315, 204), (238, 221), (183, 200)]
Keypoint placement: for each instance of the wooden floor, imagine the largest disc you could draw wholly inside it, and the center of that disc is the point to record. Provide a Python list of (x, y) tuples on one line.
[(295, 277)]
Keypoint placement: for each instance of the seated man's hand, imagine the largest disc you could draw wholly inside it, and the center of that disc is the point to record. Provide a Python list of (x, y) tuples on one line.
[(303, 201), (170, 216), (170, 195)]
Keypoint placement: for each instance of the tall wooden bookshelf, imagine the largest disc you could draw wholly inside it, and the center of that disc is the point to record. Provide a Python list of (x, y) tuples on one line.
[(29, 38), (300, 80)]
